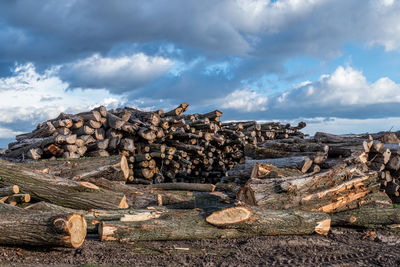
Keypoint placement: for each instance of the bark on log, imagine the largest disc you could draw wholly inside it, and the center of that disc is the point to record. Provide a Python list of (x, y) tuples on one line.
[(268, 171), (58, 190), (8, 207), (95, 216), (9, 190), (297, 145), (114, 122), (71, 168), (185, 186), (191, 224), (367, 217), (331, 191), (45, 129), (242, 172), (256, 152), (42, 229), (332, 138)]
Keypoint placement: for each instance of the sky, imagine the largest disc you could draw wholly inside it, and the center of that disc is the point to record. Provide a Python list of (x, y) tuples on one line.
[(331, 63)]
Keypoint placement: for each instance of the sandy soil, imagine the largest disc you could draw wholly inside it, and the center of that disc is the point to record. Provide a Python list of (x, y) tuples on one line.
[(342, 247)]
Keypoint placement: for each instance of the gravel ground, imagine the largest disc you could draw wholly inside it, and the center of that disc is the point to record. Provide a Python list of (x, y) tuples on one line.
[(342, 247)]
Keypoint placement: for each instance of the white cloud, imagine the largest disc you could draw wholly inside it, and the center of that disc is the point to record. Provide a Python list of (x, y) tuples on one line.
[(344, 125), (8, 133), (344, 87), (347, 126), (32, 97), (244, 100), (121, 73)]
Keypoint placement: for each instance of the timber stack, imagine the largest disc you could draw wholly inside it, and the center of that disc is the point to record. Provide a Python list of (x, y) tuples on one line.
[(383, 156), (159, 147)]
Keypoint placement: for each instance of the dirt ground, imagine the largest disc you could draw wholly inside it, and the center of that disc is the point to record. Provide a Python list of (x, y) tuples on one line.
[(342, 247)]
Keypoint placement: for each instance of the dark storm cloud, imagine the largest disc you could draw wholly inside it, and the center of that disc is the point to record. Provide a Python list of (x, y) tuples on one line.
[(51, 30), (96, 43)]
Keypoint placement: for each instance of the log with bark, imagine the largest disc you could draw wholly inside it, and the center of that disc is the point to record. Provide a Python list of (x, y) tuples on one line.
[(77, 195), (331, 191), (242, 172), (367, 217), (234, 222), (42, 229)]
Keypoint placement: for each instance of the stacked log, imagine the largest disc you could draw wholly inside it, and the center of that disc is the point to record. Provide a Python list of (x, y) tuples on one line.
[(258, 133), (384, 158), (159, 147), (10, 195)]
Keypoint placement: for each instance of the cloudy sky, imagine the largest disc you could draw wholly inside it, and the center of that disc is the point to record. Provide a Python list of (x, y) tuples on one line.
[(331, 63)]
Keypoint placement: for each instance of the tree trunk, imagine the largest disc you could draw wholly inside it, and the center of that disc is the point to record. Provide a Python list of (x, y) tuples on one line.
[(185, 186), (9, 190), (367, 217), (190, 224), (58, 190), (8, 207), (42, 229), (256, 152), (331, 191)]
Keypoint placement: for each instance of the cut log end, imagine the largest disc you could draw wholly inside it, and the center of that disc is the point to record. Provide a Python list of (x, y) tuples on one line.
[(74, 227), (124, 167), (106, 231), (123, 204), (323, 227), (15, 189), (234, 215)]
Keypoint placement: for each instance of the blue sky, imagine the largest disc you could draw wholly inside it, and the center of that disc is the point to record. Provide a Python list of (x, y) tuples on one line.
[(333, 64)]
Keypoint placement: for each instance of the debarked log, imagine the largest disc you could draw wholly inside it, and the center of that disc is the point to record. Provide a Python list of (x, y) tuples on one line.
[(42, 229), (235, 222)]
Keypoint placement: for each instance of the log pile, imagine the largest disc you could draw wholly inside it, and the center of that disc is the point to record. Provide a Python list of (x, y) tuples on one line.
[(159, 147), (384, 157), (130, 175)]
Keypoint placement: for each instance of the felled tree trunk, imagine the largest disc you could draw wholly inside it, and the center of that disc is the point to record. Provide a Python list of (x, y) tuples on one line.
[(185, 186), (42, 229), (331, 191), (367, 217), (235, 223), (256, 152), (83, 168), (9, 190), (242, 172), (178, 199), (59, 191), (8, 207), (95, 216)]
